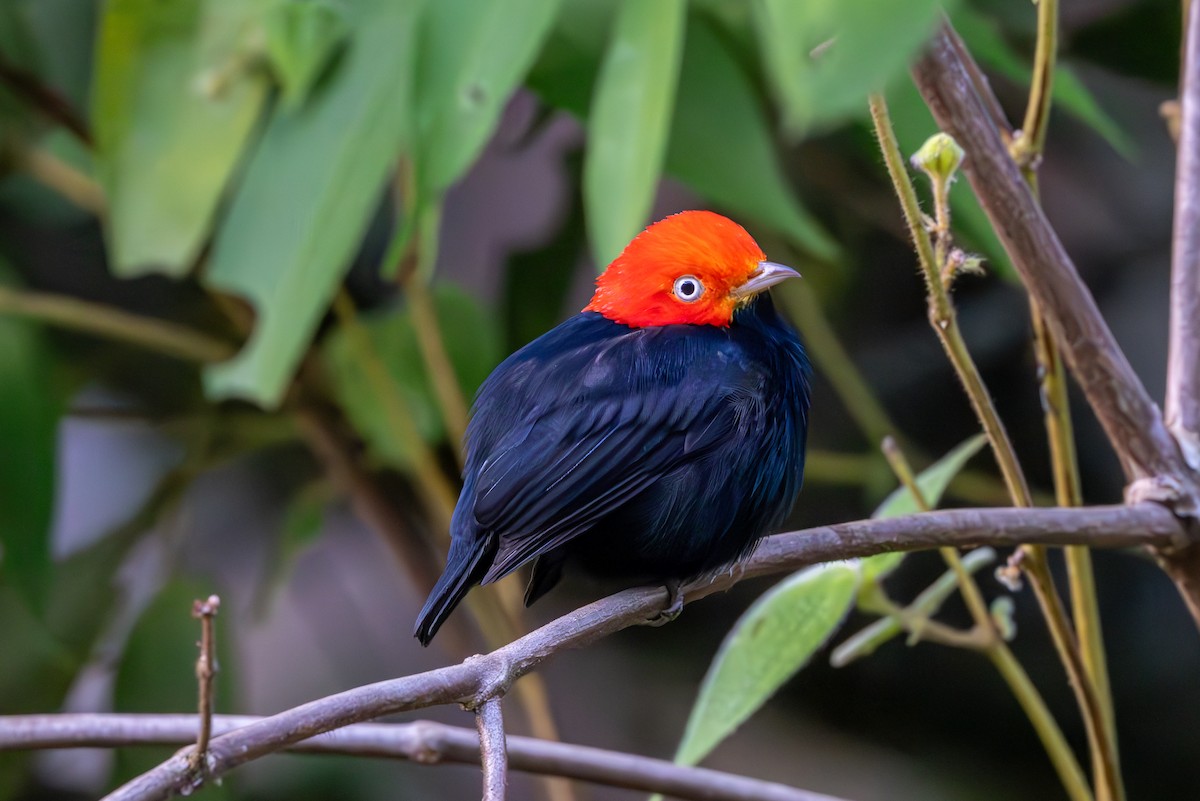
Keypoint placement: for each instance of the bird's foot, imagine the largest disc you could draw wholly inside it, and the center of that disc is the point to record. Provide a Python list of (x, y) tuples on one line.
[(674, 604)]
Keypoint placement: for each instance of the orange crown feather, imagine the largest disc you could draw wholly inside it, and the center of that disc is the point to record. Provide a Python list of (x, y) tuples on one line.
[(642, 286)]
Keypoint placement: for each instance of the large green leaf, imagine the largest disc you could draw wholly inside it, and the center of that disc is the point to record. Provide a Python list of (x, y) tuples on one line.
[(308, 195), (29, 407), (932, 482), (767, 646), (825, 56), (474, 53), (175, 101), (472, 341), (629, 121), (721, 144)]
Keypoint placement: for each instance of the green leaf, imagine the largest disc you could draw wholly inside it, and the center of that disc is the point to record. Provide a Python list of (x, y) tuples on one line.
[(986, 42), (933, 482), (825, 56), (629, 121), (471, 338), (474, 54), (767, 646), (176, 98), (29, 410), (302, 37), (308, 195), (721, 144)]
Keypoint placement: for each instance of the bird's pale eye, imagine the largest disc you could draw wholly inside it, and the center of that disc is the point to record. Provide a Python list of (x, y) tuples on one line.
[(688, 288)]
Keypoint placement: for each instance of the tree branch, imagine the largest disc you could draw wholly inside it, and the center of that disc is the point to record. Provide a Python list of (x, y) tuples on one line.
[(1128, 414), (1183, 365), (423, 742), (490, 675), (1148, 452), (493, 749)]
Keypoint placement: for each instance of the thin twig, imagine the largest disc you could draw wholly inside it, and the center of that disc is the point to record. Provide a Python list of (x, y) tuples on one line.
[(942, 315), (1145, 524), (993, 646), (422, 742), (914, 618), (493, 749), (1027, 151), (54, 173), (50, 103), (206, 670), (1183, 364), (435, 490), (150, 333)]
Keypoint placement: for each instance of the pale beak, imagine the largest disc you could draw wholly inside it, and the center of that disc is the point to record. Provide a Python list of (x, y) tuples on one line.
[(766, 276)]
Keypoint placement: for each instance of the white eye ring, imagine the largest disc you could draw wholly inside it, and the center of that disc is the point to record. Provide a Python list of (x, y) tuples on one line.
[(688, 288)]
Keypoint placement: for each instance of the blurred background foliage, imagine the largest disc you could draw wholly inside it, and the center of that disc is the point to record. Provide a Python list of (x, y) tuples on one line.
[(256, 255)]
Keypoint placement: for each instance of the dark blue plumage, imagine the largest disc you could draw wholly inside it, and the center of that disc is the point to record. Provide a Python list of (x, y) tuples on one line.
[(650, 453)]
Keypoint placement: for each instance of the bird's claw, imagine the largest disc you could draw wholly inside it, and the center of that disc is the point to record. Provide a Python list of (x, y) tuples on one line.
[(674, 605)]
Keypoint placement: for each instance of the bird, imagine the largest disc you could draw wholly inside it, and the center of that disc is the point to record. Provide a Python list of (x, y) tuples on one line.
[(656, 436)]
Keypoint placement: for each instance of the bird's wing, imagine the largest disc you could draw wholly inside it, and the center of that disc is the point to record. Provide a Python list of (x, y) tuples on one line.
[(565, 467)]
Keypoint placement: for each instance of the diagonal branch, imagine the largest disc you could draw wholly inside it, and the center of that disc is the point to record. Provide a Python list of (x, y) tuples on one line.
[(1129, 416), (422, 742), (490, 675), (1183, 365), (1149, 454)]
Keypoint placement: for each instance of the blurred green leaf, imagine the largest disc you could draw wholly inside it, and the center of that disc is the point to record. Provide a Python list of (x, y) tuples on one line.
[(773, 640), (825, 56), (175, 100), (721, 144), (629, 121), (472, 342), (29, 409), (986, 42), (474, 54), (308, 195), (933, 482), (566, 68), (302, 37)]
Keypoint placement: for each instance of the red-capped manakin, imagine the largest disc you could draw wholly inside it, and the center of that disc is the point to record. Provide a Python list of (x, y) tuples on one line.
[(656, 435)]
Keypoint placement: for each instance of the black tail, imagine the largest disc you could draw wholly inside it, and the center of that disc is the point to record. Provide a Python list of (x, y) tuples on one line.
[(463, 571)]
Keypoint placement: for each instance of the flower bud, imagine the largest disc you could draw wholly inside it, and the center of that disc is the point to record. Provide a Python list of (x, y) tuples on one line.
[(939, 157)]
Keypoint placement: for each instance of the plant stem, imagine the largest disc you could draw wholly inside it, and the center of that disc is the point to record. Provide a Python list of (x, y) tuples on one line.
[(57, 175), (1027, 150), (435, 490), (151, 333), (994, 647), (429, 333), (943, 317), (941, 311), (915, 617)]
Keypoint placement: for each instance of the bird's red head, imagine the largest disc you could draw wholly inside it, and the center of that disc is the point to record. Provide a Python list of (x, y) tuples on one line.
[(694, 267)]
